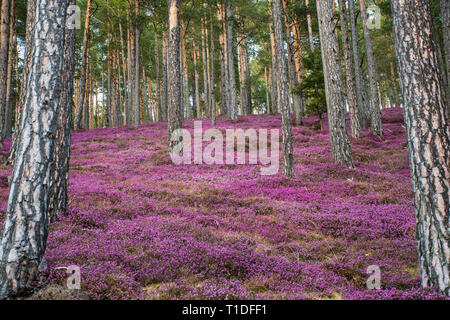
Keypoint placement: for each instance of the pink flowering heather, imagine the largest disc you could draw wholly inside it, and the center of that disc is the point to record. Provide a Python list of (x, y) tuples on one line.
[(140, 227)]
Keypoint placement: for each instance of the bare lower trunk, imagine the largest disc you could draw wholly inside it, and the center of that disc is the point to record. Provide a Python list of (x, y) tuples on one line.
[(164, 92), (310, 33), (4, 51), (428, 138), (340, 142), (288, 154), (205, 69), (375, 114), (230, 55), (212, 92), (274, 75), (25, 229)]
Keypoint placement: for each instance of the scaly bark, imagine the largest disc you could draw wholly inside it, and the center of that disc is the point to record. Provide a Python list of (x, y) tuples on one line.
[(428, 138), (4, 52)]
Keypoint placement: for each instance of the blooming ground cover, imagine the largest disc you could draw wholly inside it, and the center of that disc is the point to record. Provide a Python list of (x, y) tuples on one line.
[(140, 227)]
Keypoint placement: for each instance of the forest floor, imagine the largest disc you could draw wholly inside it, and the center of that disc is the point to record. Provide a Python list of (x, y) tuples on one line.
[(141, 227)]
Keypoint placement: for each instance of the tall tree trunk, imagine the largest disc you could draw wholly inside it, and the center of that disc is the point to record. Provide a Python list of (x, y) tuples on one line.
[(212, 92), (84, 66), (375, 113), (196, 76), (445, 16), (360, 83), (351, 95), (186, 101), (25, 229), (164, 91), (158, 78), (274, 75), (205, 69), (246, 90), (340, 142), (175, 119), (288, 154), (223, 60), (266, 82), (230, 56), (310, 32), (125, 79), (12, 56), (428, 138), (137, 72), (4, 51)]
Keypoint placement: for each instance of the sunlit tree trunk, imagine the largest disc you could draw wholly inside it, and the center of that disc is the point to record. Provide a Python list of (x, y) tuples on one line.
[(340, 142), (428, 138), (288, 154), (223, 60), (274, 74), (351, 95), (158, 77), (212, 90), (137, 71), (25, 228), (375, 113), (164, 92), (310, 32), (231, 68), (186, 101), (205, 69), (4, 51)]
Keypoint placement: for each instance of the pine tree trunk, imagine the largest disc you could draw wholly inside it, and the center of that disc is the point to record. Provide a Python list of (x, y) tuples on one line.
[(230, 55), (340, 142), (84, 66), (360, 83), (445, 17), (266, 82), (205, 71), (351, 95), (137, 72), (12, 56), (25, 229), (158, 78), (186, 101), (274, 75), (212, 92), (175, 119), (288, 154), (223, 60), (375, 113), (428, 138), (196, 76), (310, 32), (164, 91), (4, 51)]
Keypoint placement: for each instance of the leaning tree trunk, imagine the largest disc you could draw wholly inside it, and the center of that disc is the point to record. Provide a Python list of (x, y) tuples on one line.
[(288, 153), (375, 113), (428, 138), (360, 83), (25, 229), (4, 51), (84, 66), (351, 96), (340, 142), (173, 72)]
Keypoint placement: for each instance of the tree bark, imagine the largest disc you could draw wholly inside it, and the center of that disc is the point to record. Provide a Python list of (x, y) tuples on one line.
[(274, 75), (376, 126), (175, 119), (230, 55), (212, 92), (12, 56), (445, 16), (428, 138), (205, 71), (84, 65), (164, 91), (158, 78), (4, 52), (186, 101), (288, 154), (196, 77), (25, 229), (137, 71), (223, 60), (310, 32), (360, 83), (351, 95), (340, 142)]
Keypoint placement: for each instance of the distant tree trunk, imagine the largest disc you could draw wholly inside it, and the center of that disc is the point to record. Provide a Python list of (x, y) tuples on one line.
[(125, 79), (107, 117), (186, 102), (205, 70), (351, 96), (196, 76), (375, 113), (4, 51), (428, 138), (230, 55), (12, 56), (84, 66), (158, 78), (274, 75), (288, 153), (445, 16), (266, 82), (244, 76), (394, 88), (340, 142), (223, 60), (360, 83), (25, 229), (310, 32), (164, 91), (298, 60), (212, 92), (173, 72), (137, 71)]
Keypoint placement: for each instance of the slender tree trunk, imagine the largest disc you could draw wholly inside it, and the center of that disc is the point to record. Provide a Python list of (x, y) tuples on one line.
[(205, 69), (125, 80), (288, 154), (12, 56), (186, 102), (310, 32), (164, 91), (158, 78), (340, 142), (360, 83), (230, 55), (196, 76), (212, 92), (223, 60), (428, 138), (84, 66), (137, 71), (375, 114), (4, 51), (25, 229), (274, 75), (351, 95), (173, 72), (266, 82)]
